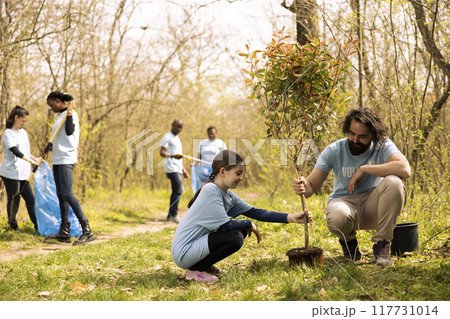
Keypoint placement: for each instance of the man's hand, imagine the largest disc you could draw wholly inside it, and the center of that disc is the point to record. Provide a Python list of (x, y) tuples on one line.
[(255, 230), (356, 179), (46, 149), (299, 185), (185, 174)]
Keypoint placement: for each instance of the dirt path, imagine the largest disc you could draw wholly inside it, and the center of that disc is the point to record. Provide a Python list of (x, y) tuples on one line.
[(17, 251)]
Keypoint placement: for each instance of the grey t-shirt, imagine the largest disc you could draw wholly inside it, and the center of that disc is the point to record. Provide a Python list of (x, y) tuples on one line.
[(212, 208)]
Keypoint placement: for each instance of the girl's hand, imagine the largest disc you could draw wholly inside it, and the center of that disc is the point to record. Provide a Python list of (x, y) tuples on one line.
[(255, 230), (299, 217), (70, 106)]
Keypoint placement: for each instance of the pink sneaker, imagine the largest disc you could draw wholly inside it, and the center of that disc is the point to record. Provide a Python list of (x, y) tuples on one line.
[(213, 270), (202, 276)]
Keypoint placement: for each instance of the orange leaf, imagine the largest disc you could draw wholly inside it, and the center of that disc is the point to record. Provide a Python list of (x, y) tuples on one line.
[(245, 71)]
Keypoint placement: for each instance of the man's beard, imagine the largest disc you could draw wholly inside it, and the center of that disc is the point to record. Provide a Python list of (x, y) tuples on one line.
[(358, 148)]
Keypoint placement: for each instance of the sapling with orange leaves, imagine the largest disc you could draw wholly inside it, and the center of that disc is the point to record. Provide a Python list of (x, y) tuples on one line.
[(298, 90)]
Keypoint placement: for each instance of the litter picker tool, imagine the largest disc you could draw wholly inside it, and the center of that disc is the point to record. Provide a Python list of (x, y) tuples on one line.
[(190, 158)]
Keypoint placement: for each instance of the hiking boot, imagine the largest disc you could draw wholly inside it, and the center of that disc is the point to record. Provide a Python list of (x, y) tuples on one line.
[(382, 253), (201, 276), (87, 234), (174, 219), (63, 235), (350, 249)]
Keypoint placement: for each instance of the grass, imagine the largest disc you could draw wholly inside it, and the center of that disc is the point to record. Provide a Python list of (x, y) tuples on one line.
[(140, 267)]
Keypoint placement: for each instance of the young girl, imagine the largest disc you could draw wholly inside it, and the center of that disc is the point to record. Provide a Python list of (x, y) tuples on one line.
[(16, 167), (64, 157), (207, 234)]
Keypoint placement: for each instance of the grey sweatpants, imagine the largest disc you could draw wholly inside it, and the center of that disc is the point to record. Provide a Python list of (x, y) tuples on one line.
[(378, 209)]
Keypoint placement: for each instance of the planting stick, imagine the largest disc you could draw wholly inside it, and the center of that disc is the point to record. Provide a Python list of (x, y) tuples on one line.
[(52, 139), (305, 209)]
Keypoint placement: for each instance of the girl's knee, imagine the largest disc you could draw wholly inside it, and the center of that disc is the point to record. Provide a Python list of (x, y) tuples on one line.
[(236, 238)]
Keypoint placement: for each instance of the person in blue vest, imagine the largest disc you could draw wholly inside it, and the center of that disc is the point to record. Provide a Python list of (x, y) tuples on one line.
[(16, 166), (208, 232), (207, 150), (368, 191), (64, 158)]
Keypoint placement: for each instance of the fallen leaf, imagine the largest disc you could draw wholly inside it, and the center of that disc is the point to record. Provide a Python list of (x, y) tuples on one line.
[(156, 268), (262, 288), (332, 281), (45, 294), (77, 288), (126, 289), (322, 293)]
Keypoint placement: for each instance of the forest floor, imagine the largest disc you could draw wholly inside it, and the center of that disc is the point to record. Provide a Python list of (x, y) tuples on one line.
[(16, 250), (13, 252)]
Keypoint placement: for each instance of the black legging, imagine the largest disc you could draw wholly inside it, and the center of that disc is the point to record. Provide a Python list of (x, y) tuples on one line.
[(221, 245), (13, 187)]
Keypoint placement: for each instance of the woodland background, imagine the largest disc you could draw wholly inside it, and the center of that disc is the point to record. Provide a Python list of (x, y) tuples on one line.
[(133, 65)]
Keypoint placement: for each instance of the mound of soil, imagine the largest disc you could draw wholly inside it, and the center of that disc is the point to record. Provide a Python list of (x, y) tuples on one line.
[(311, 256)]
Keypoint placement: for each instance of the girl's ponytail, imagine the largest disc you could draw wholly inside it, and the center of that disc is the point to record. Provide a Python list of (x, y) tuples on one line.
[(60, 96), (17, 110)]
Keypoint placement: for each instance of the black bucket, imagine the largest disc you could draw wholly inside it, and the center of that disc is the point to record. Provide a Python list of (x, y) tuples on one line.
[(406, 238)]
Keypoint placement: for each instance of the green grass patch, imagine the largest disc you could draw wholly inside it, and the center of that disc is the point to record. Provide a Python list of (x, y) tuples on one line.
[(140, 267)]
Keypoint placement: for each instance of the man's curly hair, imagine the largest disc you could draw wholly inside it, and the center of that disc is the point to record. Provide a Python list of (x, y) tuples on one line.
[(370, 118)]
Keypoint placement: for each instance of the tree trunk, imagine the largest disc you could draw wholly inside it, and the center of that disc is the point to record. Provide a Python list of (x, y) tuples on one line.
[(440, 61), (305, 12), (4, 77)]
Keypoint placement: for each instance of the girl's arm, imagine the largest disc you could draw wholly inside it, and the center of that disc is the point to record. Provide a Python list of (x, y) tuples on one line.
[(274, 217), (19, 154), (236, 224), (70, 127), (266, 215)]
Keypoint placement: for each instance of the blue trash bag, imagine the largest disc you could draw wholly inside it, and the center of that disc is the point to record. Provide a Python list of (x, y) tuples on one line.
[(48, 213), (199, 175)]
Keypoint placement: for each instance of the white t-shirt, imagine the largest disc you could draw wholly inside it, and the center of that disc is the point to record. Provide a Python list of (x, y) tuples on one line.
[(64, 149), (212, 208), (209, 149), (337, 157), (13, 167), (172, 144)]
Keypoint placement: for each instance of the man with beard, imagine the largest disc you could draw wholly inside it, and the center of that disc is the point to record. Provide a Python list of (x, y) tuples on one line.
[(368, 192)]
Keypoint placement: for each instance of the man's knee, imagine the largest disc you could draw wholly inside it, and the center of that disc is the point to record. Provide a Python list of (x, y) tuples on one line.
[(394, 183), (339, 219)]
